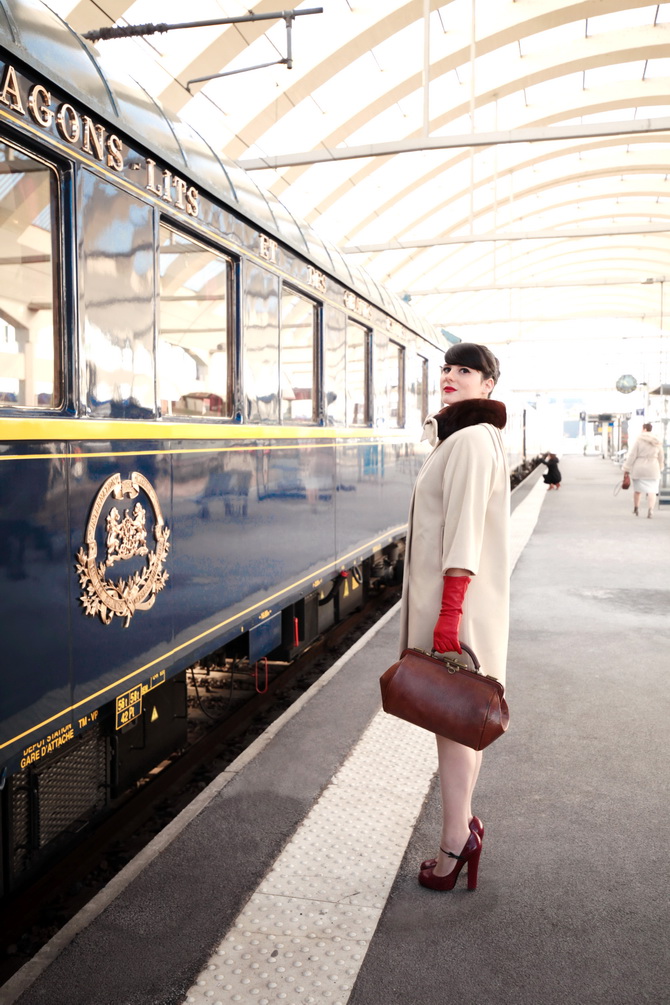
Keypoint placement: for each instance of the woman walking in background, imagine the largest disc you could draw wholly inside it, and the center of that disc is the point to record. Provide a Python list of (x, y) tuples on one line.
[(456, 583), (644, 463)]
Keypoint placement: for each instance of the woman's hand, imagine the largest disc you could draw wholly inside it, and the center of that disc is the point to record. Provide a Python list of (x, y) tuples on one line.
[(445, 633)]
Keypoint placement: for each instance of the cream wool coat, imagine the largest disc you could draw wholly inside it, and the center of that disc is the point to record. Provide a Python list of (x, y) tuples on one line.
[(459, 518), (645, 459)]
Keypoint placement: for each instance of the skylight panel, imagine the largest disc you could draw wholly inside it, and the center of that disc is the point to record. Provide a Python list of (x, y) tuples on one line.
[(610, 115), (559, 90), (622, 19), (511, 110), (653, 112), (454, 14), (657, 67), (562, 35), (404, 48), (456, 127), (394, 123), (486, 118), (599, 76), (497, 65), (343, 89), (311, 191), (299, 129)]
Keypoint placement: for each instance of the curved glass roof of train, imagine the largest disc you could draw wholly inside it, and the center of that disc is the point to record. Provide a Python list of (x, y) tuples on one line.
[(504, 166)]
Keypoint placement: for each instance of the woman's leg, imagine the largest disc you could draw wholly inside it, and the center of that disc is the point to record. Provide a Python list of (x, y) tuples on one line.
[(636, 499), (458, 767), (651, 500), (478, 764)]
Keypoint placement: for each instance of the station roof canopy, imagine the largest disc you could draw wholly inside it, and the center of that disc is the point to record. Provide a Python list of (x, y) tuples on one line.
[(500, 164)]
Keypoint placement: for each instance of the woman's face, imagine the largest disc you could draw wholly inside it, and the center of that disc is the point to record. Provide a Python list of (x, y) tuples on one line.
[(458, 383)]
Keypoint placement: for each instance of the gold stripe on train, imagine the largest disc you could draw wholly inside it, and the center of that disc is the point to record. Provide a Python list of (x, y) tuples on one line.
[(16, 428)]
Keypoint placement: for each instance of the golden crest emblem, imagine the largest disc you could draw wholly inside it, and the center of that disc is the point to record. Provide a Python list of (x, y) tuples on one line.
[(125, 538)]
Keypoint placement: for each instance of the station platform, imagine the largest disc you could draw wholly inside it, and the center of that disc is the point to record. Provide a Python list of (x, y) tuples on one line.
[(293, 877)]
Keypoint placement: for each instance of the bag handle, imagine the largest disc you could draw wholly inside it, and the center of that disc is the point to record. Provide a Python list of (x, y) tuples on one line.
[(468, 650)]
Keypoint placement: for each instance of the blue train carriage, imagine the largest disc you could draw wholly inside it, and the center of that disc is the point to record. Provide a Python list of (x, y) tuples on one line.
[(206, 416)]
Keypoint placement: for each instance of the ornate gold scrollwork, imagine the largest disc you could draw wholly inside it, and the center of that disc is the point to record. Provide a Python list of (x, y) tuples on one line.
[(126, 538)]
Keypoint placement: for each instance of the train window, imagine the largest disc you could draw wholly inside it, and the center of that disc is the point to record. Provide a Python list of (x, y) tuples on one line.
[(434, 394), (193, 360), (30, 361), (334, 370), (261, 344), (117, 300), (358, 365), (422, 386), (396, 384), (297, 341)]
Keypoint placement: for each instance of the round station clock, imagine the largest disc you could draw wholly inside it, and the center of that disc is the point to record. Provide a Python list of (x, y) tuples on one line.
[(626, 383)]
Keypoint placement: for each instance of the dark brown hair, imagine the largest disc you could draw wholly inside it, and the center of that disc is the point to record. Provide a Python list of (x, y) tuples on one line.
[(476, 356)]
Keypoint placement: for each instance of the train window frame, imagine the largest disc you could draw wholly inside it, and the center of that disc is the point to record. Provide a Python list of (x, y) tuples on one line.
[(232, 261), (423, 367), (434, 371), (61, 239), (316, 418), (367, 373), (401, 357)]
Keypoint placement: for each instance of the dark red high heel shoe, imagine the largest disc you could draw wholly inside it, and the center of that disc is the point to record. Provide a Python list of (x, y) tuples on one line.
[(475, 825), (470, 855)]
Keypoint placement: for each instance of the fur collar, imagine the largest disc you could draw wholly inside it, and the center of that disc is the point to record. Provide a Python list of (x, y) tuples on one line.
[(471, 412)]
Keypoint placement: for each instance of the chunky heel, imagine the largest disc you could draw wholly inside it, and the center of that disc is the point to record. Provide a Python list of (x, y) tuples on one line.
[(473, 869)]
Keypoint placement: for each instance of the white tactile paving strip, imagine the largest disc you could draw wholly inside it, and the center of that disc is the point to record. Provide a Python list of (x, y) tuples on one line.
[(303, 935)]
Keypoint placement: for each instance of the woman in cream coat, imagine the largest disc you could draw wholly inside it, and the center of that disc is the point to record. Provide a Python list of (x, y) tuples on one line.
[(456, 584), (644, 463)]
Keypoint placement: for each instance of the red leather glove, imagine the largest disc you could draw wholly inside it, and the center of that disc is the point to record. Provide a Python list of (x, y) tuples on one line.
[(445, 633)]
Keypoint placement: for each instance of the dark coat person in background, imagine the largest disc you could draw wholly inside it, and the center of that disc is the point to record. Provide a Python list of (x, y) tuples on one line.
[(552, 476)]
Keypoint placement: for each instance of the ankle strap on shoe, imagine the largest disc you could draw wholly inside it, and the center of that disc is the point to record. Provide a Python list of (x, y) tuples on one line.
[(450, 854)]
